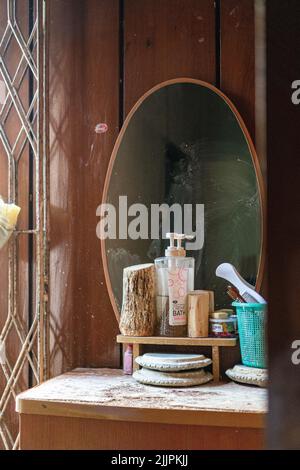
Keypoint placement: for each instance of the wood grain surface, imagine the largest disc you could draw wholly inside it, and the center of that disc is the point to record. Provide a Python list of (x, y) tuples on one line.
[(93, 46), (89, 59), (237, 65), (110, 394), (168, 340), (51, 433), (166, 39), (84, 91), (99, 409)]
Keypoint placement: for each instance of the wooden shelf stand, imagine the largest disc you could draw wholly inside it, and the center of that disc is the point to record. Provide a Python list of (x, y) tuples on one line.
[(215, 344)]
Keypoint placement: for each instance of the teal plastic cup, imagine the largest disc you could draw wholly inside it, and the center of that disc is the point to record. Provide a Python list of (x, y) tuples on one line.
[(252, 333)]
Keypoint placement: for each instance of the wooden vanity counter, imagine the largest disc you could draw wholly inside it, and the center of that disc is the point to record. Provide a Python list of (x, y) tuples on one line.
[(105, 409)]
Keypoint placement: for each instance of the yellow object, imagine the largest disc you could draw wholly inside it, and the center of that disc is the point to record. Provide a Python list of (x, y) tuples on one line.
[(8, 220), (11, 212)]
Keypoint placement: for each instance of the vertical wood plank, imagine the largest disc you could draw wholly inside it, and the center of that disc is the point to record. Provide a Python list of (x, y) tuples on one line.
[(84, 85), (237, 59), (216, 363), (283, 68), (135, 353), (167, 39)]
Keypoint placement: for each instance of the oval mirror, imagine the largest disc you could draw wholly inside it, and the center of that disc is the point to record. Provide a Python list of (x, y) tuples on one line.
[(184, 143)]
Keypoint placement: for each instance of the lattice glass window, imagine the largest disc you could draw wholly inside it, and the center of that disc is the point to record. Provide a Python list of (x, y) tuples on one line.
[(23, 261)]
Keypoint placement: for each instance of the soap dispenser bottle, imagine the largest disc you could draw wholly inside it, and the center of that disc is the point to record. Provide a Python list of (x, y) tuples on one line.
[(174, 279)]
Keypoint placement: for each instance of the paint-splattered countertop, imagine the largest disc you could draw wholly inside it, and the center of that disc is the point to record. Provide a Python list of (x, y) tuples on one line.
[(109, 394)]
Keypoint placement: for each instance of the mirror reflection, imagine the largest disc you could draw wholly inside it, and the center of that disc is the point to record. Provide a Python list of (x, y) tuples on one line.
[(184, 145)]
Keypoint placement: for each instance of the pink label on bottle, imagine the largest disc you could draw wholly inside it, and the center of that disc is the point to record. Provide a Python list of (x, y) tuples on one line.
[(177, 283)]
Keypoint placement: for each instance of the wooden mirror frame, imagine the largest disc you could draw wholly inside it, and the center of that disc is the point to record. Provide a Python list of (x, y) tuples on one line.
[(259, 177)]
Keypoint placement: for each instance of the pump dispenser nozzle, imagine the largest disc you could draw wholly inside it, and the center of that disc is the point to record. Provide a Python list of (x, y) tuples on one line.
[(177, 250)]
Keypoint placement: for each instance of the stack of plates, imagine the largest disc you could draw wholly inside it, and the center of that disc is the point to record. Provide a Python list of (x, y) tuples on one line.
[(172, 370), (248, 375)]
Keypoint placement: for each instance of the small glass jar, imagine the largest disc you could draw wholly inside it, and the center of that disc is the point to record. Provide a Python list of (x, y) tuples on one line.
[(222, 328)]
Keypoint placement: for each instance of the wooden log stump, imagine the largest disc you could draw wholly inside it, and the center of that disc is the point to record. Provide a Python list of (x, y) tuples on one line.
[(138, 315)]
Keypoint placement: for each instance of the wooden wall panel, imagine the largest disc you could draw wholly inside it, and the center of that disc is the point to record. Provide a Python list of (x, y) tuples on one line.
[(55, 432), (84, 84), (237, 57), (283, 68), (167, 39), (162, 39)]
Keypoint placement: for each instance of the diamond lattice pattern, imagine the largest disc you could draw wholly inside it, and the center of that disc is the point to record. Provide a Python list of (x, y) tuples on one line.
[(21, 141)]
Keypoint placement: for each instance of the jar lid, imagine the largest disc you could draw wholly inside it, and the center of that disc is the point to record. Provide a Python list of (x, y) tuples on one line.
[(222, 320), (220, 315)]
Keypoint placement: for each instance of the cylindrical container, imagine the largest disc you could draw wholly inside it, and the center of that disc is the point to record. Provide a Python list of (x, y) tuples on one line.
[(128, 361), (252, 331), (198, 303), (174, 279), (222, 328)]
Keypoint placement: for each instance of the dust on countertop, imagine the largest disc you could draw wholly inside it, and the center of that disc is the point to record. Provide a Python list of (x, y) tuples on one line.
[(112, 388)]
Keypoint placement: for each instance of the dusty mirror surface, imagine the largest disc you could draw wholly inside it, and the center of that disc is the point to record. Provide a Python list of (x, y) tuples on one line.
[(183, 144)]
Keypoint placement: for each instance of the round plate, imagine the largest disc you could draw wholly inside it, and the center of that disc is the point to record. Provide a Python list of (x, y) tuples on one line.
[(248, 375), (172, 379), (172, 362)]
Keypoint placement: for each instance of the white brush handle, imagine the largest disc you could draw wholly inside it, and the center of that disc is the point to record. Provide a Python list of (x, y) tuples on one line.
[(228, 272)]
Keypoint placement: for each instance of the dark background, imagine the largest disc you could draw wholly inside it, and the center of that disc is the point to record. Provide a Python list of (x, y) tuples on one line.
[(283, 67)]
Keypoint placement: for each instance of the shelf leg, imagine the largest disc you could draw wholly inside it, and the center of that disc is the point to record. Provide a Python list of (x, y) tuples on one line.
[(216, 363), (135, 353)]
